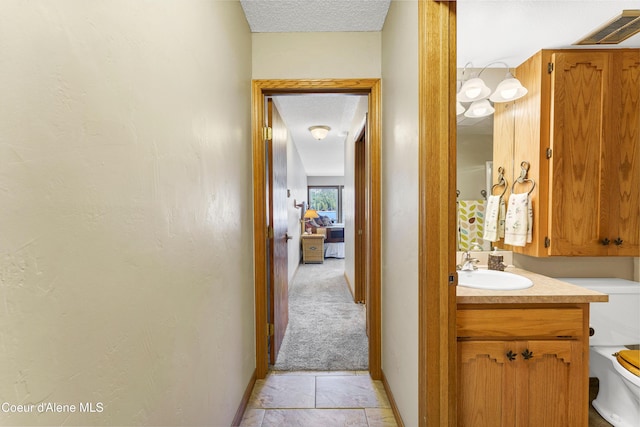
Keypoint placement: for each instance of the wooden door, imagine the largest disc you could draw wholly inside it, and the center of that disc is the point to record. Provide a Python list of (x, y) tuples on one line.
[(550, 384), (360, 208), (578, 101), (622, 156), (486, 384), (278, 225)]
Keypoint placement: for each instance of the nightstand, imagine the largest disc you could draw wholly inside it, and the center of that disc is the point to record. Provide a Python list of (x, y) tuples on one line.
[(312, 248)]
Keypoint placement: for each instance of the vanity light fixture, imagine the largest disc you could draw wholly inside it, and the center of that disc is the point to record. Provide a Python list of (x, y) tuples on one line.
[(508, 90), (476, 91), (473, 89), (319, 132), (479, 109)]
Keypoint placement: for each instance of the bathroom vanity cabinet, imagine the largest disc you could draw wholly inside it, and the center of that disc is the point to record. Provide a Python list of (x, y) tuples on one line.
[(523, 355), (579, 129), (522, 366)]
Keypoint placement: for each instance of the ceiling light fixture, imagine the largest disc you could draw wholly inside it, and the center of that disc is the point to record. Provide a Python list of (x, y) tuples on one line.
[(319, 132)]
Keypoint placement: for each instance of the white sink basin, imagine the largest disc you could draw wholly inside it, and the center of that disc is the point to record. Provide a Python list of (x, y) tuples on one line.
[(492, 279)]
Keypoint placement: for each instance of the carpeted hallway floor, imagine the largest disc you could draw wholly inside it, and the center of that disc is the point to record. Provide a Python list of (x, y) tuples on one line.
[(327, 330)]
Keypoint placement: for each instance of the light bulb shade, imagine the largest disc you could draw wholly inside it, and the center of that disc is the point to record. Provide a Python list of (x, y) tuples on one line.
[(311, 213), (473, 90), (479, 109), (459, 108), (319, 132), (508, 90)]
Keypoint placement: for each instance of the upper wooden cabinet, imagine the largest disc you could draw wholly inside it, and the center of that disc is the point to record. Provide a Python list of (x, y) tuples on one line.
[(579, 129)]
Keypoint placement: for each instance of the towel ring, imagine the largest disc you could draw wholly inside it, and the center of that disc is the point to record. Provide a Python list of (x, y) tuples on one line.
[(524, 169), (501, 182)]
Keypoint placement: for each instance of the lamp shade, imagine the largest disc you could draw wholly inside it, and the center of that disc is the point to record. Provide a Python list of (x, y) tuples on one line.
[(319, 132), (473, 90), (311, 213), (459, 108), (509, 89), (479, 109)]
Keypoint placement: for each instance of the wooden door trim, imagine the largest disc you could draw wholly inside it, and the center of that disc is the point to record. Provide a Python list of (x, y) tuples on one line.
[(260, 89), (437, 360), (359, 289)]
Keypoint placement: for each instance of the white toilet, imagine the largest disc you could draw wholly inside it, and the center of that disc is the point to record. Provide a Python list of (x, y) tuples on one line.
[(616, 325)]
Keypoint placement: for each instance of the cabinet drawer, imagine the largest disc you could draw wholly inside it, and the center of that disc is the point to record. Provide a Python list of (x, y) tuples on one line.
[(520, 322), (313, 249)]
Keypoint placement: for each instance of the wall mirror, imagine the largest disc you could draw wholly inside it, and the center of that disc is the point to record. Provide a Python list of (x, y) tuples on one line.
[(474, 163)]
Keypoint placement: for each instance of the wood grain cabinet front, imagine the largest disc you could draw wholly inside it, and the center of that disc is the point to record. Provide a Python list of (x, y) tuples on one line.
[(533, 378), (579, 129), (313, 248)]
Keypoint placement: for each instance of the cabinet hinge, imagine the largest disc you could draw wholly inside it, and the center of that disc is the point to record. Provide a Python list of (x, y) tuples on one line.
[(267, 133), (550, 67), (547, 242), (549, 153), (269, 329), (269, 232)]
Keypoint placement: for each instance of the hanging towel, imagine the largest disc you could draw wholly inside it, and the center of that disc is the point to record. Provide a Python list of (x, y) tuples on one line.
[(501, 217), (518, 221), (494, 222)]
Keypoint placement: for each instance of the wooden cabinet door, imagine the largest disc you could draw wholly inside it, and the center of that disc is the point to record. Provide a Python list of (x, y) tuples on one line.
[(486, 385), (521, 383), (578, 100), (622, 156), (550, 384)]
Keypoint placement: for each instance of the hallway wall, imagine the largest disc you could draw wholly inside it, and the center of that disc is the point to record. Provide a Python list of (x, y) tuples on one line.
[(125, 209), (297, 184), (400, 207)]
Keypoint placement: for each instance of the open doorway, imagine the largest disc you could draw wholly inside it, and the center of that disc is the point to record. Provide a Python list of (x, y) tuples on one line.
[(326, 328), (371, 233)]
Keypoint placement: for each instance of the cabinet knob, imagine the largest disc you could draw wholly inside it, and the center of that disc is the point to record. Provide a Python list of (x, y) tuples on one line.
[(527, 354), (605, 242), (511, 355), (618, 241)]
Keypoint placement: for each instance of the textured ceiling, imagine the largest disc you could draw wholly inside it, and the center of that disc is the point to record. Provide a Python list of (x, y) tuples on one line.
[(271, 16)]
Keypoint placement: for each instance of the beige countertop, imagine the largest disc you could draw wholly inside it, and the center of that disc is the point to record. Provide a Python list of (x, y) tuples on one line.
[(544, 290)]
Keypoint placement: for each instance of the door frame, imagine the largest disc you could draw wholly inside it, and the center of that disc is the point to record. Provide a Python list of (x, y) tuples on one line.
[(259, 90), (437, 277)]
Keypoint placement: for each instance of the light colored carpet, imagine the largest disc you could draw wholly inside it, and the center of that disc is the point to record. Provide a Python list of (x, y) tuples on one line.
[(327, 330)]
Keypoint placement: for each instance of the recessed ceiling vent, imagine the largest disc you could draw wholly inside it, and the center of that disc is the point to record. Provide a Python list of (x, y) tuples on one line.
[(615, 31)]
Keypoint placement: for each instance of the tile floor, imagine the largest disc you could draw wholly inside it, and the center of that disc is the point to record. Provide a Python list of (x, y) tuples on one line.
[(322, 399)]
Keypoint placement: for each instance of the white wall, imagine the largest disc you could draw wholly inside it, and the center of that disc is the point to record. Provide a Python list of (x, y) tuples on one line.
[(400, 206), (125, 193), (326, 180), (297, 185), (316, 55), (473, 152)]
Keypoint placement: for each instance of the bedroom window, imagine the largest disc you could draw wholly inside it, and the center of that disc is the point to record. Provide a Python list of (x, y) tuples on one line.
[(327, 200)]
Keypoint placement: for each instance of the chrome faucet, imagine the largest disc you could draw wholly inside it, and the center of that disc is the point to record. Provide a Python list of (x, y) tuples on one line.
[(468, 262)]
